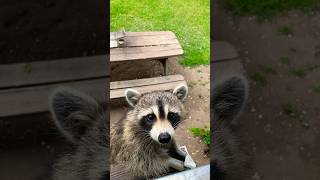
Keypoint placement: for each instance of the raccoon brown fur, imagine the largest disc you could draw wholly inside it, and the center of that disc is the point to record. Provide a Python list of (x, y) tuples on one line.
[(228, 99), (136, 140), (142, 146), (82, 120)]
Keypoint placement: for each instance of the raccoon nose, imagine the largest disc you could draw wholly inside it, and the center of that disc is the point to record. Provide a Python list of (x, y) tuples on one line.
[(164, 138)]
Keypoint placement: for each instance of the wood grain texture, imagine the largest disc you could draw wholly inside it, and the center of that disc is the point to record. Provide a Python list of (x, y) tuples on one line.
[(223, 51), (163, 83), (24, 74), (19, 101), (147, 45)]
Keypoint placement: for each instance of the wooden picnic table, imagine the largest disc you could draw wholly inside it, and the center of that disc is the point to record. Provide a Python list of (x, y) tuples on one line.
[(24, 87), (159, 45)]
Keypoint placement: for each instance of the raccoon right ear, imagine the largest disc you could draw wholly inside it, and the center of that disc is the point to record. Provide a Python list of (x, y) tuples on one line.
[(229, 98), (72, 111), (132, 96), (181, 92)]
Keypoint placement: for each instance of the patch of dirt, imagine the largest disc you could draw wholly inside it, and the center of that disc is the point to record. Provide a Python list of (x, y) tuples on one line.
[(283, 142), (29, 145), (52, 29), (197, 103)]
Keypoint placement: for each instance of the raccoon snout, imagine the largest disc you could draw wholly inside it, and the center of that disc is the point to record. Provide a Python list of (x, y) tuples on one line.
[(164, 138)]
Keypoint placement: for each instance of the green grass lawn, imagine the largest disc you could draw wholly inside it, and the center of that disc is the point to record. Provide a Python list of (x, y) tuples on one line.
[(268, 8), (189, 20)]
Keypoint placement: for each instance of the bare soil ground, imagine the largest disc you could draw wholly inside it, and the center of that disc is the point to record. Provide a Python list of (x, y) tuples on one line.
[(280, 127), (197, 103), (44, 30)]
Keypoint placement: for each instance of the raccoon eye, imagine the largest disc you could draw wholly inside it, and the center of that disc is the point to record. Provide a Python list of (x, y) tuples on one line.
[(171, 115), (150, 117), (174, 118)]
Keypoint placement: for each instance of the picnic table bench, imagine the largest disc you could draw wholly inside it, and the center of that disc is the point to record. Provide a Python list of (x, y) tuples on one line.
[(24, 87), (225, 61), (131, 46)]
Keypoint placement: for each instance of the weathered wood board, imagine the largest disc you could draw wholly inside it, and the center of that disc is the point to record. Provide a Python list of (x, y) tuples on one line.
[(147, 45), (165, 83), (26, 74), (34, 99), (24, 88), (223, 51)]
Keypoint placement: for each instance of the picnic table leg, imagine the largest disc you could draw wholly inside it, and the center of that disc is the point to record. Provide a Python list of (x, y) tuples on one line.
[(164, 64)]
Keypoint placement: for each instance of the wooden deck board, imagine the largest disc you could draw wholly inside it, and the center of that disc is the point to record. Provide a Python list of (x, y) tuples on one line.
[(146, 81), (24, 74), (144, 54), (149, 33), (147, 45), (223, 51), (18, 101), (164, 83)]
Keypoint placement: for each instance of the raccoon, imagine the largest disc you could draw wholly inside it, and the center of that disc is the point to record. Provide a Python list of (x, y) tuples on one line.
[(228, 160), (144, 141), (82, 120)]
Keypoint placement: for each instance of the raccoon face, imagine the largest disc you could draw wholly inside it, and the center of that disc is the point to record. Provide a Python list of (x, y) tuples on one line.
[(158, 113)]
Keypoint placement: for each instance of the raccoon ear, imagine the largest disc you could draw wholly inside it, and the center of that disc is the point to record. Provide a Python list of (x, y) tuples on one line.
[(229, 98), (132, 96), (72, 111), (181, 92)]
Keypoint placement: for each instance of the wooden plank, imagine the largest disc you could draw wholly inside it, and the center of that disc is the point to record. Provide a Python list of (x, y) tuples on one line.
[(135, 50), (224, 69), (28, 100), (142, 53), (23, 74), (118, 93), (223, 51), (151, 39), (147, 45), (145, 81), (149, 33), (151, 42)]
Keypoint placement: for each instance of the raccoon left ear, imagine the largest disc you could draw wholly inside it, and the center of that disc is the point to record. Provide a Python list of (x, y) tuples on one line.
[(132, 96), (181, 92)]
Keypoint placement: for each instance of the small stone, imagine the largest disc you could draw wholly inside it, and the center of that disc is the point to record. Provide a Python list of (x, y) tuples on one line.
[(260, 116), (280, 158), (306, 125), (267, 128), (253, 109), (256, 176)]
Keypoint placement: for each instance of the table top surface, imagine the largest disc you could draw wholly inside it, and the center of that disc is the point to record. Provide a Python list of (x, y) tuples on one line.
[(146, 45)]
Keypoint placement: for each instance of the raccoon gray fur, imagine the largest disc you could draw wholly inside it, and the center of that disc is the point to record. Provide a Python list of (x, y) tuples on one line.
[(144, 140), (228, 99), (82, 120)]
